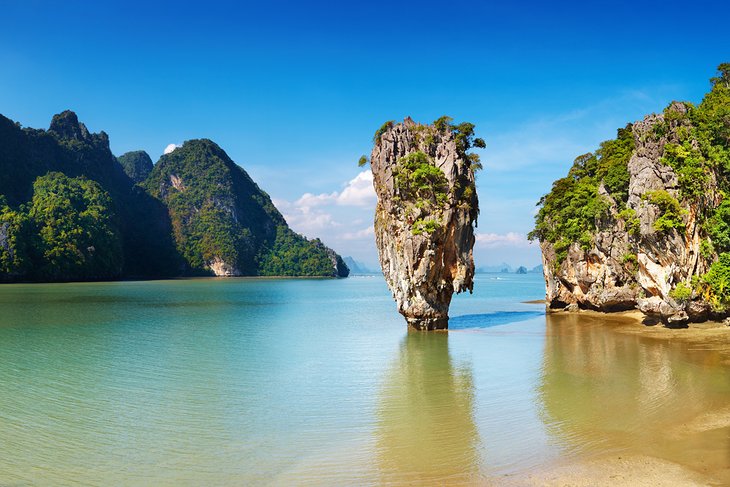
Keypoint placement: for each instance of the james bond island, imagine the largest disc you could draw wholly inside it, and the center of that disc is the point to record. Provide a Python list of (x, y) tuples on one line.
[(425, 215), (645, 220)]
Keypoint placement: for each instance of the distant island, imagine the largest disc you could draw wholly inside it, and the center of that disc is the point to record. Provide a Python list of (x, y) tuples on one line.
[(358, 268), (72, 211), (645, 220), (505, 268)]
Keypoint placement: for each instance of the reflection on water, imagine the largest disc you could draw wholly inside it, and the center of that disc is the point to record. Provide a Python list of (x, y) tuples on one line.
[(606, 392), (425, 424)]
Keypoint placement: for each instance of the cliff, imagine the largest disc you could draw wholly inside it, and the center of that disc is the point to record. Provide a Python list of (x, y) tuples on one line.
[(644, 221), (425, 215), (225, 224)]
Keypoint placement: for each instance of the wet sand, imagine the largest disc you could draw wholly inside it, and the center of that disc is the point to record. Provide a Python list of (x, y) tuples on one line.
[(688, 453), (637, 471)]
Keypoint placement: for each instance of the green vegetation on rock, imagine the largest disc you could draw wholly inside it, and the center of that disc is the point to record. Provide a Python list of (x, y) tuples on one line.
[(293, 255), (570, 211), (67, 232), (136, 164), (681, 293), (671, 215), (219, 215)]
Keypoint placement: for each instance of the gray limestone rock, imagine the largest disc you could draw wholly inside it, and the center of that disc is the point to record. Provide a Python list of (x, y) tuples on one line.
[(424, 267), (623, 270)]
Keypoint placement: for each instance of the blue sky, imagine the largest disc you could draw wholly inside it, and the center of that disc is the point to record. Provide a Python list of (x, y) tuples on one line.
[(294, 91)]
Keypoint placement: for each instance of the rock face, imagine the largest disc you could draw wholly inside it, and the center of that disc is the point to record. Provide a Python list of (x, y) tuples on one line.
[(424, 228), (634, 260)]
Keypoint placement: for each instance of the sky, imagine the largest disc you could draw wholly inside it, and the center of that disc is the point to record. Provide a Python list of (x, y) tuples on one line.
[(293, 91)]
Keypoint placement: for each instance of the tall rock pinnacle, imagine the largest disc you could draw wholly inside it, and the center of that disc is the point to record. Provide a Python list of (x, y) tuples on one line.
[(425, 216)]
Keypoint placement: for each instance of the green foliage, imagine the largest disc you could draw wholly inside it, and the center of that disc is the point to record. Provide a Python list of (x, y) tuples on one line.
[(420, 181), (718, 227), (707, 249), (681, 293), (715, 285), (443, 124), (67, 232), (78, 235), (293, 255), (137, 165), (633, 225), (362, 161), (630, 260), (383, 128), (690, 166), (463, 138), (711, 128), (672, 214), (569, 212), (16, 242), (219, 213), (422, 226)]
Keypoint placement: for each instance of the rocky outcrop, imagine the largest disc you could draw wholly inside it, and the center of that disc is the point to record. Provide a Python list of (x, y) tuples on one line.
[(632, 261), (425, 216)]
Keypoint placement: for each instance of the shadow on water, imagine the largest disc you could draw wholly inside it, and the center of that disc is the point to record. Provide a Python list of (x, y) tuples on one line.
[(487, 320), (604, 391), (425, 423)]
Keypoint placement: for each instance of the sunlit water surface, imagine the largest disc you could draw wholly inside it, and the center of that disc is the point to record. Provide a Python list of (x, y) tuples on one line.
[(258, 382)]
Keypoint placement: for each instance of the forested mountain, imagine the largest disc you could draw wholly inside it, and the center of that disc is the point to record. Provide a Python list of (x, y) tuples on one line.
[(70, 210)]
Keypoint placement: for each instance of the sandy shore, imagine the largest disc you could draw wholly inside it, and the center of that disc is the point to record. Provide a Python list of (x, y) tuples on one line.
[(640, 470), (707, 336), (637, 471)]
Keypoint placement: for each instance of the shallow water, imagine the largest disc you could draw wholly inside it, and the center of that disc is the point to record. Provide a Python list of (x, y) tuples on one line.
[(251, 382)]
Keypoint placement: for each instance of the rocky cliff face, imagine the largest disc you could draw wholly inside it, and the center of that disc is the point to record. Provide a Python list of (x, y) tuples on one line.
[(648, 239), (425, 216)]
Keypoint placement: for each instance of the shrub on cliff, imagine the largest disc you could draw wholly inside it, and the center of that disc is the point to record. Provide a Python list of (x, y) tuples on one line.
[(570, 211)]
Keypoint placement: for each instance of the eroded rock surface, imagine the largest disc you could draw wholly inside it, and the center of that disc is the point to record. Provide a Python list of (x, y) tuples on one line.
[(638, 267), (424, 218)]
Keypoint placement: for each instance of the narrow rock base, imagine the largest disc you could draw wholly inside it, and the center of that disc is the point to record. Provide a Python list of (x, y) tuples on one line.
[(428, 324)]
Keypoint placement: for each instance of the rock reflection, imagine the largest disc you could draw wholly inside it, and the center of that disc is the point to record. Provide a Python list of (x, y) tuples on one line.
[(603, 391), (426, 430)]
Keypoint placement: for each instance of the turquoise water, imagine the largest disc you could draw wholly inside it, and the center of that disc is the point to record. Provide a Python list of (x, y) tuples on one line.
[(275, 382)]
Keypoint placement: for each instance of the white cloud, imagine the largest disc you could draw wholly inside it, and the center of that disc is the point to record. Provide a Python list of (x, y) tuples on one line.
[(509, 239), (170, 148), (357, 192), (305, 218), (359, 234)]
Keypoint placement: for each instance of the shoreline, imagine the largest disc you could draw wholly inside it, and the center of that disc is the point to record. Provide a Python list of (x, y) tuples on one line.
[(713, 334), (635, 468)]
